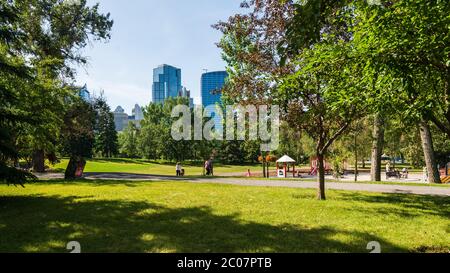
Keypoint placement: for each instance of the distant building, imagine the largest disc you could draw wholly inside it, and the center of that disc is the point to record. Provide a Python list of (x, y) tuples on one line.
[(85, 94), (122, 119), (138, 113), (187, 94), (166, 83), (212, 84)]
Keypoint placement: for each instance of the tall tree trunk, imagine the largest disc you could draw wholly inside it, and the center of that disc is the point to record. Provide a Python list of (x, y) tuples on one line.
[(377, 148), (321, 177), (39, 161), (74, 163), (428, 151)]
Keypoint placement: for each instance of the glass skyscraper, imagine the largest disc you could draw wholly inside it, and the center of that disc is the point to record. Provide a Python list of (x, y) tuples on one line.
[(166, 83), (211, 88), (211, 85)]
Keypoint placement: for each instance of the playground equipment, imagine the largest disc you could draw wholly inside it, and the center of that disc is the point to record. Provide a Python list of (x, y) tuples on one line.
[(445, 174), (285, 162), (315, 166), (446, 180)]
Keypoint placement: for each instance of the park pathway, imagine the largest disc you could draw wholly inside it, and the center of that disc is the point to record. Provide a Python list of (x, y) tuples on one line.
[(368, 187), (379, 188)]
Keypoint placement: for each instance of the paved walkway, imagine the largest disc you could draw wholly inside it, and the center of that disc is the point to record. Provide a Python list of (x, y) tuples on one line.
[(380, 188)]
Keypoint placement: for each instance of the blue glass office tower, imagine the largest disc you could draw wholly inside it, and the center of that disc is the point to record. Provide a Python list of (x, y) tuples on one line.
[(212, 84), (166, 83), (211, 88)]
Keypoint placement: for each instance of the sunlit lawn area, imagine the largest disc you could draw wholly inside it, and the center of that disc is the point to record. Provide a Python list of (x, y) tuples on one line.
[(123, 216), (137, 166)]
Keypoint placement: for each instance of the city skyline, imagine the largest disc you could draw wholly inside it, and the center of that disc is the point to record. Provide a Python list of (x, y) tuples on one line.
[(123, 67)]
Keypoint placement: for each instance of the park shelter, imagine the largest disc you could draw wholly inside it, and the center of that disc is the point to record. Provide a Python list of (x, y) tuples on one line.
[(285, 162)]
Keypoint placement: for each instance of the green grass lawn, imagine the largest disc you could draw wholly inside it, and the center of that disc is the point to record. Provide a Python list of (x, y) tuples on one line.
[(137, 166), (123, 216)]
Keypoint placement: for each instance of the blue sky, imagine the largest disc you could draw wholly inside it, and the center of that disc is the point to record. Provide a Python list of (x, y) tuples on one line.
[(147, 33)]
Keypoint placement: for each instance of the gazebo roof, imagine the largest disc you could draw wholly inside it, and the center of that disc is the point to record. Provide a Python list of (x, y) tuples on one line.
[(286, 159)]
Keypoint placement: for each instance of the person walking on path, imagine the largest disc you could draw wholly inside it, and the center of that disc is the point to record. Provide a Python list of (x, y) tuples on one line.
[(209, 167), (178, 169)]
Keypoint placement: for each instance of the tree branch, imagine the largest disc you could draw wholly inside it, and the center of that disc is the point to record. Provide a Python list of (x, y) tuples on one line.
[(335, 136)]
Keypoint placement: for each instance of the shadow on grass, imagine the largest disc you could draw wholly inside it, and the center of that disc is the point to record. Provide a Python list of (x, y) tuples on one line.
[(46, 224), (404, 205), (125, 179)]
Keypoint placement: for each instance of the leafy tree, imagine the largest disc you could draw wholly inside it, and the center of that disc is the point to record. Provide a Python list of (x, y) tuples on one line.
[(411, 38), (106, 140), (128, 141), (39, 44), (416, 58), (251, 150), (14, 75), (323, 97), (294, 143), (155, 140), (250, 46), (78, 135), (231, 152), (442, 146), (57, 31), (267, 64)]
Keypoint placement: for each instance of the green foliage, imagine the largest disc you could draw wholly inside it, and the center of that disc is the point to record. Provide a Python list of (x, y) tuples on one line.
[(59, 30), (78, 134), (295, 144), (40, 41), (324, 96), (155, 140), (410, 41), (106, 140), (128, 141)]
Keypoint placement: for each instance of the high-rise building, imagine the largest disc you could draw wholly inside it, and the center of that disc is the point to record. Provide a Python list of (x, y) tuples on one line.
[(120, 119), (187, 94), (211, 87), (166, 83), (212, 84), (85, 94)]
